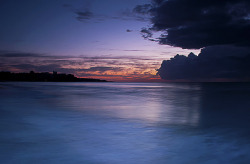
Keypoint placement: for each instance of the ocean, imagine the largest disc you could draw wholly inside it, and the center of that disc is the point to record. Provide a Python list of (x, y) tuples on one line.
[(124, 123)]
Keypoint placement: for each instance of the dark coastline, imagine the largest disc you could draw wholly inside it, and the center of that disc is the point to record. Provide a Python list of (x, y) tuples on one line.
[(43, 77)]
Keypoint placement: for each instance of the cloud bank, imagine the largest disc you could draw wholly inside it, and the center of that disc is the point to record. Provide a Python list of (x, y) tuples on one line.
[(194, 24), (113, 68), (216, 63), (220, 27)]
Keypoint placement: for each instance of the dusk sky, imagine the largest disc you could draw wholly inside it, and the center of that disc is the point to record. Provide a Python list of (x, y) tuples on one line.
[(124, 81), (124, 40), (88, 38)]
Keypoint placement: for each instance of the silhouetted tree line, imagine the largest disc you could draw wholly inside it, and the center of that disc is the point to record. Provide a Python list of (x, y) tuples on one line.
[(44, 77)]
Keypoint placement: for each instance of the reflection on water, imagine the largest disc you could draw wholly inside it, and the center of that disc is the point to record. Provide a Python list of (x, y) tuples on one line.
[(124, 122), (154, 103)]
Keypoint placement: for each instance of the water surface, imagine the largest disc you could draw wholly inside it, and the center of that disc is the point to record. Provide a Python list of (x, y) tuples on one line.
[(124, 123)]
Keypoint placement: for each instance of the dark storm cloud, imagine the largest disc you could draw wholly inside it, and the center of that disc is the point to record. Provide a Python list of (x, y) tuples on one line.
[(133, 15), (194, 24), (142, 9), (216, 62), (146, 33)]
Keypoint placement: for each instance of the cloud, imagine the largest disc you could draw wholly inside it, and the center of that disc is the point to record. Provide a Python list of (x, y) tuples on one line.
[(84, 15), (194, 24), (110, 67), (60, 68), (142, 9), (134, 50), (212, 64), (133, 14), (221, 28), (42, 68), (102, 69), (146, 33), (19, 55), (67, 6), (85, 12)]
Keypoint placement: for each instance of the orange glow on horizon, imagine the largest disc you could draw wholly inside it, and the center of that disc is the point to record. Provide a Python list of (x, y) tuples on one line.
[(127, 78)]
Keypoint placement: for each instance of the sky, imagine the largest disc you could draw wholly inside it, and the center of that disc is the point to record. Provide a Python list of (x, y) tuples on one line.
[(88, 38), (132, 40)]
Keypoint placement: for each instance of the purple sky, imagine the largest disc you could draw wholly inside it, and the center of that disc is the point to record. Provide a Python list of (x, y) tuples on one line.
[(89, 38)]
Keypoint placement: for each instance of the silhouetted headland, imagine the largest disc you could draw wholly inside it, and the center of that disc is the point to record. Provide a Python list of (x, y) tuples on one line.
[(44, 77)]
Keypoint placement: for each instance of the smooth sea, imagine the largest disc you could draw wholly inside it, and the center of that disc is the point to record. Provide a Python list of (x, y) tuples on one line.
[(124, 123)]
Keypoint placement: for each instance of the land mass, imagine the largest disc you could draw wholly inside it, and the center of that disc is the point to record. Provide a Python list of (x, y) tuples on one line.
[(44, 77)]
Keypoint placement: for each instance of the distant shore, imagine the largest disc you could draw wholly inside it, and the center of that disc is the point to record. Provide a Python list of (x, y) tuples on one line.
[(43, 77)]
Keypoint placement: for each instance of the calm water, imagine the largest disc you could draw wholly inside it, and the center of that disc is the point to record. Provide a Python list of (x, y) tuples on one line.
[(111, 123)]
